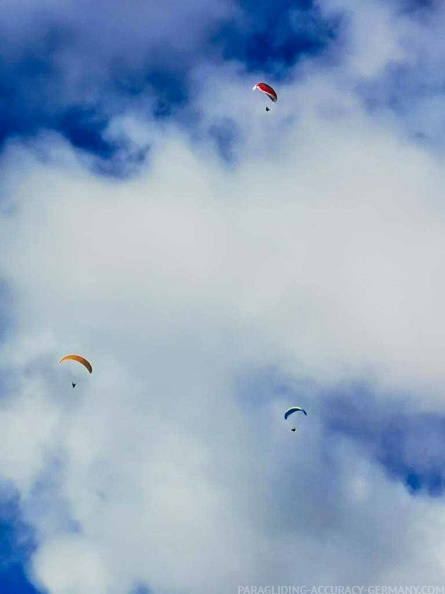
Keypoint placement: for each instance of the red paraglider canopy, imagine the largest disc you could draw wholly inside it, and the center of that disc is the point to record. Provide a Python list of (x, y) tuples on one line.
[(265, 88)]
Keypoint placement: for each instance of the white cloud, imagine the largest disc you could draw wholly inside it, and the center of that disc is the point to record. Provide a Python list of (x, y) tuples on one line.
[(319, 252), (374, 34)]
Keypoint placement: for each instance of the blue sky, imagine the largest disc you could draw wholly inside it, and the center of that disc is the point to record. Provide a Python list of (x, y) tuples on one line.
[(218, 264), (264, 37), (16, 546)]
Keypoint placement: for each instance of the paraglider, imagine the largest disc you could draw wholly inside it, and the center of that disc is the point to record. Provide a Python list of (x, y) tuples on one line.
[(293, 410), (80, 360), (268, 90)]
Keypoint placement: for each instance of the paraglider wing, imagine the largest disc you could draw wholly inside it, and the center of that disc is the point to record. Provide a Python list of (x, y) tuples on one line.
[(265, 88), (292, 410), (79, 359)]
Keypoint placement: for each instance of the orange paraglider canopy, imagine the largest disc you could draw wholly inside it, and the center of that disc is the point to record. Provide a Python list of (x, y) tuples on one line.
[(79, 359)]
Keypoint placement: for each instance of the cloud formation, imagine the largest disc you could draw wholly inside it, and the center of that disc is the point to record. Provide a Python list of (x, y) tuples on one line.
[(211, 293)]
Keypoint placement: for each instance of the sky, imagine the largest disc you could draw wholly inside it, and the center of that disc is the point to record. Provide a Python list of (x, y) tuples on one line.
[(218, 264)]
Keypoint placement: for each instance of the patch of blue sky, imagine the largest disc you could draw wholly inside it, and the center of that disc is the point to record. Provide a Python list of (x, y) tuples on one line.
[(407, 443), (162, 89), (84, 128), (28, 85), (13, 580), (29, 103), (416, 5), (170, 91), (33, 98), (141, 589), (271, 37), (16, 546)]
